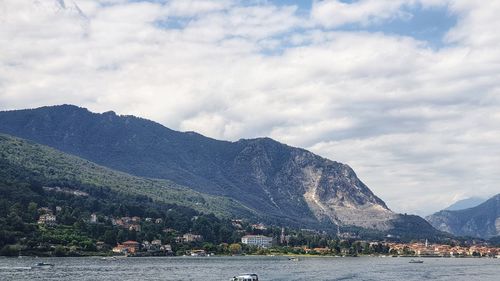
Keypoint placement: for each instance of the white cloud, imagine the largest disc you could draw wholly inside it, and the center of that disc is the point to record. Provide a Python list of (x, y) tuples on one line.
[(411, 120)]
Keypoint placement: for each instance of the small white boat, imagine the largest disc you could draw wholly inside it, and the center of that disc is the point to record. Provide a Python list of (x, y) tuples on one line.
[(245, 277), (416, 261), (293, 259)]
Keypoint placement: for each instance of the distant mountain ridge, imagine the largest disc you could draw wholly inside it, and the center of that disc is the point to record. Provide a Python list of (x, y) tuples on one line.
[(481, 221), (281, 182), (465, 204)]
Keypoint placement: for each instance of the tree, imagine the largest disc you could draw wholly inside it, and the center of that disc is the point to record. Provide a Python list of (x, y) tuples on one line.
[(59, 251), (132, 235), (235, 248), (110, 237), (203, 227), (10, 250), (122, 235), (32, 211)]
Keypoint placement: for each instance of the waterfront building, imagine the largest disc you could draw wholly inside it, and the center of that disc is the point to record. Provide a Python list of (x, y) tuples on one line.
[(127, 247), (167, 248), (198, 253), (257, 240)]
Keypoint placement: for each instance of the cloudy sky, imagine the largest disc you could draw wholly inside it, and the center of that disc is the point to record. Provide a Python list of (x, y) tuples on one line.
[(407, 92)]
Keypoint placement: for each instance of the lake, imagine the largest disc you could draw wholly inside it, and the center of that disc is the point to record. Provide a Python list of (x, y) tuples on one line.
[(268, 268)]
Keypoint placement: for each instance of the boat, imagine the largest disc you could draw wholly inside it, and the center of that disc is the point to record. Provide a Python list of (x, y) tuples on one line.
[(293, 259), (245, 277), (44, 265), (416, 261)]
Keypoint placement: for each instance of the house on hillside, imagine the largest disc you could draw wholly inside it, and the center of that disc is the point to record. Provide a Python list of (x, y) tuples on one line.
[(93, 218), (189, 237), (135, 226), (47, 219)]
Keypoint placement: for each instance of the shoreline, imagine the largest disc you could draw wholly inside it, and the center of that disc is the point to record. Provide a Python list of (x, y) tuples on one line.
[(97, 255)]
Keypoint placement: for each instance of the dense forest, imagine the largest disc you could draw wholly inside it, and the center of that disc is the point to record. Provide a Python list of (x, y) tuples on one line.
[(21, 203)]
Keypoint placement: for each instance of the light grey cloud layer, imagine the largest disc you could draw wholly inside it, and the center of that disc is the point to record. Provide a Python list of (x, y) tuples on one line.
[(421, 126)]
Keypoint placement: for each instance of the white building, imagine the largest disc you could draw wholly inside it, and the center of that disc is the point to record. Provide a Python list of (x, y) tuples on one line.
[(47, 219), (257, 240), (189, 237)]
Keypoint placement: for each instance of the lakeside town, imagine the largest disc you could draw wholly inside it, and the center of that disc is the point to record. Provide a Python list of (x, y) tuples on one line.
[(260, 239)]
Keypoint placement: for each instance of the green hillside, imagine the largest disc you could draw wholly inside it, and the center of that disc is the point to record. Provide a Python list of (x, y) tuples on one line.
[(25, 161)]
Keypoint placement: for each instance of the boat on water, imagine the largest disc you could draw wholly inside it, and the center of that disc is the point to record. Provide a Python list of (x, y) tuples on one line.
[(245, 277), (293, 259), (112, 258), (44, 265), (416, 261)]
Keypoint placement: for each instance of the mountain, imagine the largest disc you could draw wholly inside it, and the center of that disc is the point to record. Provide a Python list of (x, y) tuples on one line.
[(282, 184), (481, 221), (465, 204)]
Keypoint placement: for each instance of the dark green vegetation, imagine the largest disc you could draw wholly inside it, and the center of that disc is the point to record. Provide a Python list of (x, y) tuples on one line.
[(29, 162), (74, 235), (27, 169), (264, 179), (481, 221)]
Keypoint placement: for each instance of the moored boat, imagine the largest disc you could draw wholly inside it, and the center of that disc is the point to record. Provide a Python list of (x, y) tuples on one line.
[(416, 261), (245, 277), (44, 265)]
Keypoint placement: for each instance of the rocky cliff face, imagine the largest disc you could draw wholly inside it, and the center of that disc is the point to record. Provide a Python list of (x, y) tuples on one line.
[(283, 183), (482, 221), (291, 177)]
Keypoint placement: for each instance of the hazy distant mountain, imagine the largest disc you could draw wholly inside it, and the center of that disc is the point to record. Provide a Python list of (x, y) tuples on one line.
[(480, 221), (280, 182), (465, 204)]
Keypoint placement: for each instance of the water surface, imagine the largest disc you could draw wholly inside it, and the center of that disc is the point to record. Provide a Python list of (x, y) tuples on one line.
[(268, 268)]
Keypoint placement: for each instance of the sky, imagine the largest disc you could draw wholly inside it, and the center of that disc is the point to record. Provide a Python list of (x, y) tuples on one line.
[(406, 92)]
